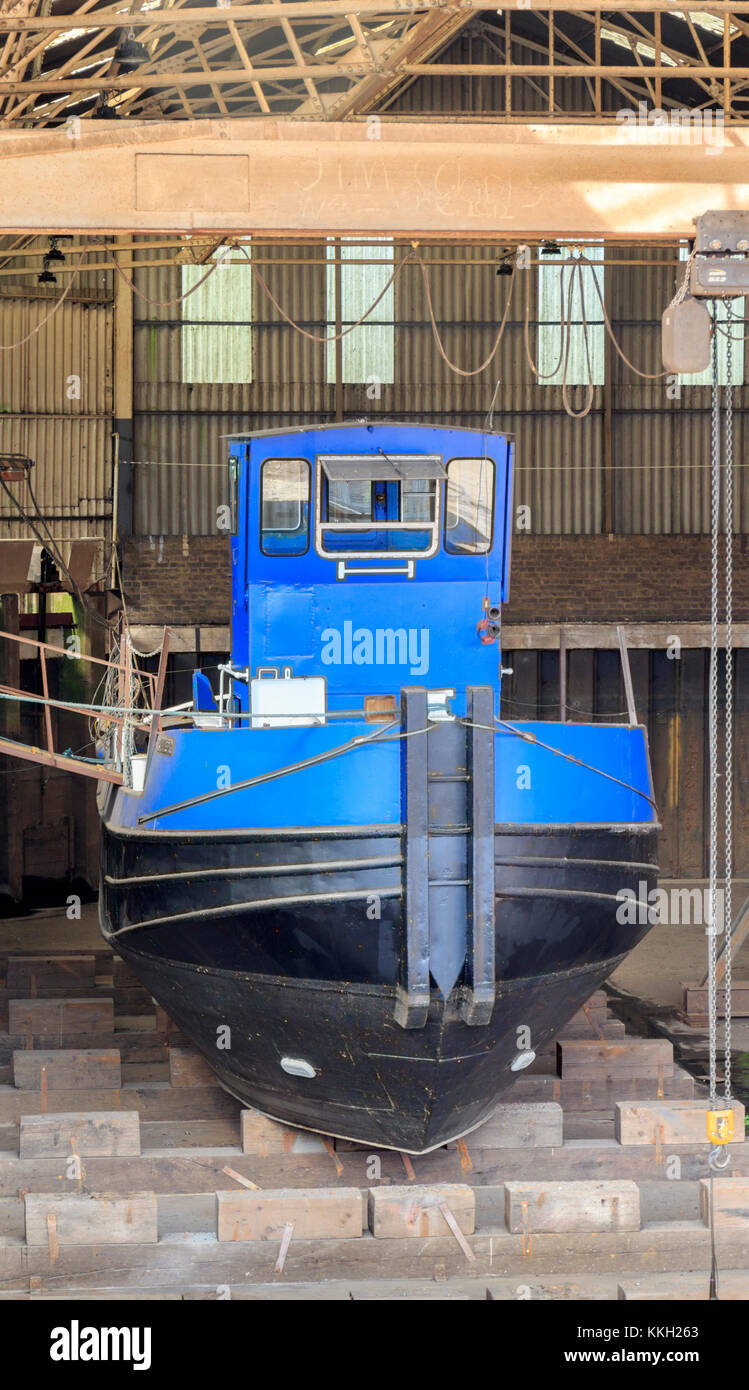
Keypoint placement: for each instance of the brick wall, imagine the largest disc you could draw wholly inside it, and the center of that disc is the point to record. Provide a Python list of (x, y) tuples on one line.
[(645, 579), (177, 579), (554, 579)]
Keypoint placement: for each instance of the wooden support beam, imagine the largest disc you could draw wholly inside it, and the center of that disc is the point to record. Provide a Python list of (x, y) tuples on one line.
[(532, 1207), (732, 944), (321, 1213), (91, 1220), (671, 1121), (98, 1133), (397, 1212)]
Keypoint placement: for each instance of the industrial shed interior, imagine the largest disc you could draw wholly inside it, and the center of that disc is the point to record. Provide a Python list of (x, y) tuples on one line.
[(228, 225)]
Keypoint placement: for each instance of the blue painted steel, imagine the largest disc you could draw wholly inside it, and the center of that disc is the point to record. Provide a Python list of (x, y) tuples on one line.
[(293, 610), (362, 787), (375, 634)]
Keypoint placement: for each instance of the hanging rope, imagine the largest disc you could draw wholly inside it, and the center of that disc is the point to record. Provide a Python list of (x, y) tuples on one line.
[(11, 347)]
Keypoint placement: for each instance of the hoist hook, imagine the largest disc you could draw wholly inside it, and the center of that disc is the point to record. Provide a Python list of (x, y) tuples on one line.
[(719, 1157)]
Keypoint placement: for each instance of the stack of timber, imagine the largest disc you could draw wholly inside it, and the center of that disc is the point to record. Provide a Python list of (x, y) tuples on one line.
[(126, 1171), (687, 1028)]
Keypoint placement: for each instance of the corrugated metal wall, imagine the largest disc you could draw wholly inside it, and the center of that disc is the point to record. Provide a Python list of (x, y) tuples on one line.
[(649, 476), (56, 395)]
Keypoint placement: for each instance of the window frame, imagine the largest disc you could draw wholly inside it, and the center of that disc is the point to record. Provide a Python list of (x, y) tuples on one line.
[(472, 554), (277, 554), (386, 555), (596, 325)]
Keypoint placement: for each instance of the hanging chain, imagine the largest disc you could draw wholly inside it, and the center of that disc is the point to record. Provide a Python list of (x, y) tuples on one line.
[(712, 717), (728, 896)]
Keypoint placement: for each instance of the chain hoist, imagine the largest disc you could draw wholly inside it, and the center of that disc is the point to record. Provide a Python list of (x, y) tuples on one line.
[(720, 1114)]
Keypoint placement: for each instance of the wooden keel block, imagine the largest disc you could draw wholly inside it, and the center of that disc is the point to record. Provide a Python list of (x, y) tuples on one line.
[(30, 974), (571, 1206), (84, 1220), (67, 1070), (395, 1212), (122, 975), (670, 1121), (265, 1137), (731, 1196), (93, 1134), (575, 1093), (695, 1000), (519, 1126), (53, 1018), (600, 1060), (188, 1068), (320, 1213), (688, 1286)]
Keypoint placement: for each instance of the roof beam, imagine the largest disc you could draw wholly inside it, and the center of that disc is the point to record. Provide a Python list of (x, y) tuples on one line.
[(209, 16), (275, 178), (431, 33), (326, 71)]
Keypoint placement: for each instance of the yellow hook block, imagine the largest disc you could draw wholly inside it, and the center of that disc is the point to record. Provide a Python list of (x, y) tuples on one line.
[(720, 1126)]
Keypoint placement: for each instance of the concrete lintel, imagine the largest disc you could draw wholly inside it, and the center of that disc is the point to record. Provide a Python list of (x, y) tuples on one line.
[(602, 636), (205, 638), (451, 179)]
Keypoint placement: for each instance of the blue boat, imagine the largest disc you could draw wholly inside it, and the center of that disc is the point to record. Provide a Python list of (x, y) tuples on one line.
[(365, 896)]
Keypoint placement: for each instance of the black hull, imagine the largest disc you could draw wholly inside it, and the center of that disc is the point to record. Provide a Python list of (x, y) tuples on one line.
[(317, 979)]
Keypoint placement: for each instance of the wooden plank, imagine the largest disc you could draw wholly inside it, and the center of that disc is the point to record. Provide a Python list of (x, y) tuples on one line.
[(325, 1213), (152, 1101), (200, 1260), (198, 1133), (397, 1212), (139, 1046), (66, 1070), (189, 1068), (200, 1169), (695, 1001), (97, 1133), (123, 976), (571, 1206), (91, 1220), (590, 1093), (53, 1017), (517, 1125), (30, 974), (731, 1198), (594, 1027), (263, 1136), (635, 1057), (685, 1287), (669, 1122)]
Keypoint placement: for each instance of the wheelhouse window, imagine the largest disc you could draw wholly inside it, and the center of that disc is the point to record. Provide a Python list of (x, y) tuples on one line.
[(379, 505), (469, 506), (284, 506)]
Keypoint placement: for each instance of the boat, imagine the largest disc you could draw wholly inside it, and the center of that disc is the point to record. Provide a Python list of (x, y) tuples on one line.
[(365, 896)]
